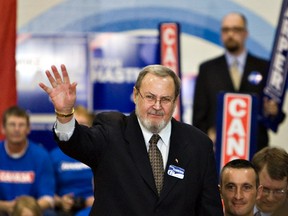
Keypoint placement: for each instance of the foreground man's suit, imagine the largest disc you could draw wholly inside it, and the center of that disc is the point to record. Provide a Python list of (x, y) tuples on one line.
[(124, 186)]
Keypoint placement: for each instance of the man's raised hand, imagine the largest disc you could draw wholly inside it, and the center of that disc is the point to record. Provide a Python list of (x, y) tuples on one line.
[(62, 93)]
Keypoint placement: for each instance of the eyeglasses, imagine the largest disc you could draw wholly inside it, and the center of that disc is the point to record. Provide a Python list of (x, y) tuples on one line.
[(152, 99), (276, 193), (236, 30)]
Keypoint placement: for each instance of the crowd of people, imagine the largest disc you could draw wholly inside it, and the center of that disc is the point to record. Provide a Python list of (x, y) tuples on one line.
[(146, 163), (37, 181)]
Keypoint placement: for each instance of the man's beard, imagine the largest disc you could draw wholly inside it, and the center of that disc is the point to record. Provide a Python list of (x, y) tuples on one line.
[(232, 46), (154, 128)]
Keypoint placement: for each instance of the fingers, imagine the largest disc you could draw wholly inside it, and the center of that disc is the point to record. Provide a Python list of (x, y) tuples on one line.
[(65, 74), (270, 106), (57, 76), (57, 79), (51, 78), (45, 88)]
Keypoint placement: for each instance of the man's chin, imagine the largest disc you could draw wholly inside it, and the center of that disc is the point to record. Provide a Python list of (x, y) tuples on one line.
[(155, 126)]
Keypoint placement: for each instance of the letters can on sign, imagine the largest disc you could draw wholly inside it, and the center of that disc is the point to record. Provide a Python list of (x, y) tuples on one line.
[(169, 55), (236, 127)]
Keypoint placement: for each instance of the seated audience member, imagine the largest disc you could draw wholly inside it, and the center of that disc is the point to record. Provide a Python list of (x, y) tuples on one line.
[(239, 188), (25, 167), (26, 206), (74, 187), (272, 165)]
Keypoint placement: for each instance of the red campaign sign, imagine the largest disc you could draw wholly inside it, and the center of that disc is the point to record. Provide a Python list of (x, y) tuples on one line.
[(169, 46), (236, 127), (169, 43)]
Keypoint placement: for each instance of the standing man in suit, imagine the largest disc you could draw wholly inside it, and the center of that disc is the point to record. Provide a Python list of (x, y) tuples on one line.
[(216, 76), (134, 174)]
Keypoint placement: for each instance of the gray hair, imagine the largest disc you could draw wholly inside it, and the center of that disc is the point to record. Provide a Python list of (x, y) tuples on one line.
[(161, 71)]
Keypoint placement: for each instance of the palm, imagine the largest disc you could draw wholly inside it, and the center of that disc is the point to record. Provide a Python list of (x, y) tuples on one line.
[(62, 93)]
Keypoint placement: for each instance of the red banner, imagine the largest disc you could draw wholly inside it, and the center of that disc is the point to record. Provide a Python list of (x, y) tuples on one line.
[(8, 95), (170, 54), (236, 127)]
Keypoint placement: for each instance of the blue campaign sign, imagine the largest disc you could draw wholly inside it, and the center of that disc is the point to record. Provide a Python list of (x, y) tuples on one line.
[(115, 62), (278, 72), (35, 54)]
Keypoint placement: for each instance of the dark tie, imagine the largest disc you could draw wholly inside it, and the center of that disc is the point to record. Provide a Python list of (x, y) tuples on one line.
[(156, 162), (257, 213)]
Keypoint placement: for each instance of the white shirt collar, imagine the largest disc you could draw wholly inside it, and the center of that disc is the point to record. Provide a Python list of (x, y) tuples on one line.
[(164, 134), (15, 155), (240, 59)]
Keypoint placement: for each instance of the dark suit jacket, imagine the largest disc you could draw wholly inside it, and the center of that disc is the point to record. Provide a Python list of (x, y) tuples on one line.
[(124, 185), (283, 211), (213, 78)]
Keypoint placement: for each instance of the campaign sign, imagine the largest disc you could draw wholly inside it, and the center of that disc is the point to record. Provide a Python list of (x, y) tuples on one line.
[(170, 54), (277, 77), (236, 127), (35, 54), (115, 62)]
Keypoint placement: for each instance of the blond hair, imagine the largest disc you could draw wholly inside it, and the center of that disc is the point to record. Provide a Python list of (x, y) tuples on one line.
[(28, 202)]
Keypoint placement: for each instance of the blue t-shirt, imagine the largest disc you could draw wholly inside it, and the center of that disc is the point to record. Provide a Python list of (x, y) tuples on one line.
[(84, 212), (31, 174), (71, 175)]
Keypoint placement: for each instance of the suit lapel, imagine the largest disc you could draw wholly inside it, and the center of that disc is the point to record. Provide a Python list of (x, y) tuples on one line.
[(136, 142), (178, 156), (223, 69)]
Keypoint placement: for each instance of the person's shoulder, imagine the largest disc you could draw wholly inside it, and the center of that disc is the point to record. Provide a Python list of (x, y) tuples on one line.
[(259, 59), (55, 152), (1, 144), (110, 118), (189, 130), (197, 139), (37, 148), (2, 149), (110, 115), (213, 61)]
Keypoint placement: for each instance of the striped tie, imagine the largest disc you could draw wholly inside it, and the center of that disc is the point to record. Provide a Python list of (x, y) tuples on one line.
[(156, 162)]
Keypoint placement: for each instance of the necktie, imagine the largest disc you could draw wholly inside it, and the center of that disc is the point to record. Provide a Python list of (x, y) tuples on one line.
[(235, 74), (156, 162), (257, 213)]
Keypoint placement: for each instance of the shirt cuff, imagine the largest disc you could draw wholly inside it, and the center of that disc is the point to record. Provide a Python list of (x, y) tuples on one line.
[(64, 131)]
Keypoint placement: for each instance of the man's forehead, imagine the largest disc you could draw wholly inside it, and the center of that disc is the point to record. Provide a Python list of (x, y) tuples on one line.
[(233, 20), (15, 118)]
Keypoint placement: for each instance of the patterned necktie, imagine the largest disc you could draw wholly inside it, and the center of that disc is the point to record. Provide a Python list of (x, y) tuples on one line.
[(257, 213), (235, 74), (156, 162)]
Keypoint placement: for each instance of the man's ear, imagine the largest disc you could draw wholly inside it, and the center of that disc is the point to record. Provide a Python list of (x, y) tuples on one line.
[(259, 192), (220, 190)]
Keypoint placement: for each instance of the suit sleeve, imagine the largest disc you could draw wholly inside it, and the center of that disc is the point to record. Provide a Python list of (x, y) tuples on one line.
[(210, 198), (200, 102)]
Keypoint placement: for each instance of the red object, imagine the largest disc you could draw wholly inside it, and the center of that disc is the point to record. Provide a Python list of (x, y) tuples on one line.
[(8, 95), (170, 54)]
